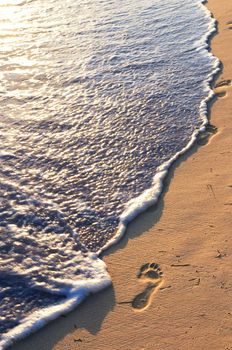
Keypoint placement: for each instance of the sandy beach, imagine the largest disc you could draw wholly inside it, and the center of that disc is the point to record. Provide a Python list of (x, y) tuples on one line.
[(171, 273)]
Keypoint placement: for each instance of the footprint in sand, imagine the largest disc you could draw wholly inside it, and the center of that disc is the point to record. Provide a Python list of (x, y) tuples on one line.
[(229, 25), (223, 83), (220, 88), (152, 276)]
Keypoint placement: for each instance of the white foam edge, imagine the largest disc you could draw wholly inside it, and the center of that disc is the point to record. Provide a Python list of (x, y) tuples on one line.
[(81, 289), (150, 196), (77, 291)]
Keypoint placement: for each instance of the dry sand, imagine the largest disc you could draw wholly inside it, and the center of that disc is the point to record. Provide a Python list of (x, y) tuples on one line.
[(188, 234)]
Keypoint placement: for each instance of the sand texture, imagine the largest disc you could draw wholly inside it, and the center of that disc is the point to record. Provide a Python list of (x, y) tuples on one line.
[(171, 273)]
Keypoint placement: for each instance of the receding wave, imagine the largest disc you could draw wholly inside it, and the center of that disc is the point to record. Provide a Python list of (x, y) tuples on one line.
[(96, 103)]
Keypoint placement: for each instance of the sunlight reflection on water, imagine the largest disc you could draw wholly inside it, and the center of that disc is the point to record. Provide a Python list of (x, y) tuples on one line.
[(94, 96)]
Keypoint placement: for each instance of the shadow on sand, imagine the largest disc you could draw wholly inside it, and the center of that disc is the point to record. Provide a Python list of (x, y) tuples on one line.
[(89, 315)]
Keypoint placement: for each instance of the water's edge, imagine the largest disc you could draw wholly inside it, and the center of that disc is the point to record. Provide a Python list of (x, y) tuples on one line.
[(151, 196), (135, 207)]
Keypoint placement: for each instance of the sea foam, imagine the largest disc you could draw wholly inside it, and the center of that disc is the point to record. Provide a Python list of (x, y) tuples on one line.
[(104, 118)]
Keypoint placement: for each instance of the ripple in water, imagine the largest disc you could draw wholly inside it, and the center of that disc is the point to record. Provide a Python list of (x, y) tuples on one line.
[(95, 96)]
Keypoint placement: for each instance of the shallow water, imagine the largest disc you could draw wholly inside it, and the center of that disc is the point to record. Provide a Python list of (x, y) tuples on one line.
[(94, 97)]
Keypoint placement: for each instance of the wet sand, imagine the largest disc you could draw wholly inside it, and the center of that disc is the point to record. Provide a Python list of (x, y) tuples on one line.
[(171, 273)]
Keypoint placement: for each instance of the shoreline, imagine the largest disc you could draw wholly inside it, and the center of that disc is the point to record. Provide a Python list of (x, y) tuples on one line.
[(198, 137), (181, 236)]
